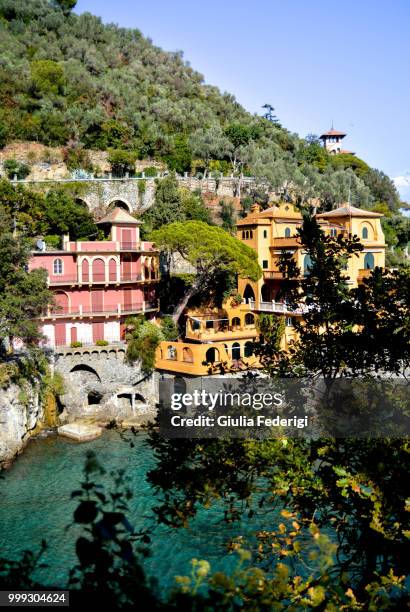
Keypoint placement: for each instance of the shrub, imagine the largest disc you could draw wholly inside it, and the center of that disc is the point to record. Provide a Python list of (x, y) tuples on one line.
[(53, 241), (169, 328), (151, 172), (76, 344), (16, 168), (102, 343), (122, 162)]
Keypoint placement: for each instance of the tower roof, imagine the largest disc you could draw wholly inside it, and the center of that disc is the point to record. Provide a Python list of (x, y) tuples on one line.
[(348, 211), (333, 132), (119, 216)]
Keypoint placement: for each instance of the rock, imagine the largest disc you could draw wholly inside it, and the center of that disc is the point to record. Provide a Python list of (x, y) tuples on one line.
[(81, 432)]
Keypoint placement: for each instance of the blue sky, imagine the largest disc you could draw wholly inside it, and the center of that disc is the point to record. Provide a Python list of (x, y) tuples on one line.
[(315, 62)]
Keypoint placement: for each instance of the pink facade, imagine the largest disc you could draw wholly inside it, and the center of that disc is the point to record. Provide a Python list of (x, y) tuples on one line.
[(97, 285)]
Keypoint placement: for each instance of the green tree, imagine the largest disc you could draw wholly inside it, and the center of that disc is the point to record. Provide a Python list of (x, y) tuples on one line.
[(47, 77), (63, 215), (23, 295), (122, 162), (65, 5), (210, 250)]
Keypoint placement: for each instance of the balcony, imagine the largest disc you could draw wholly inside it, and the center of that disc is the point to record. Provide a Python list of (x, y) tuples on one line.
[(275, 307), (103, 310), (99, 279)]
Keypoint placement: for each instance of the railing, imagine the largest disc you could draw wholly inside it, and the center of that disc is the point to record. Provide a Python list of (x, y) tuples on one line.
[(85, 344), (96, 278), (62, 280), (277, 307), (130, 246), (101, 310)]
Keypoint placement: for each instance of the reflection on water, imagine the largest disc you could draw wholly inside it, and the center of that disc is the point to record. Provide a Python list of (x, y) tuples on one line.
[(35, 504)]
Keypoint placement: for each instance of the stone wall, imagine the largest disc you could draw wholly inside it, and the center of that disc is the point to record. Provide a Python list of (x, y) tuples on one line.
[(101, 386)]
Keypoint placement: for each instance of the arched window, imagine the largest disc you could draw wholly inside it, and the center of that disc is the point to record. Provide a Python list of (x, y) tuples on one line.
[(236, 350), (112, 270), (333, 232), (249, 319), (58, 266), (98, 270), (187, 355), (212, 355), (307, 265), (248, 352), (369, 261), (236, 322), (365, 233), (61, 303), (251, 234), (249, 293), (85, 268), (172, 353), (243, 235), (287, 232)]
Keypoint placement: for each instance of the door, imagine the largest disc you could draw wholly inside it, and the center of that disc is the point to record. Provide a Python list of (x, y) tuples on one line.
[(127, 299), (126, 268), (73, 335), (97, 301), (98, 332), (60, 334)]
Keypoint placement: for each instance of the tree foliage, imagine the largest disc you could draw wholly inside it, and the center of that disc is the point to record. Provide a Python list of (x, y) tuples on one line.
[(210, 250)]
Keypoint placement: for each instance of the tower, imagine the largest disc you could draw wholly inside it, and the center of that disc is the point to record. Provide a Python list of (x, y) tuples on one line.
[(332, 141)]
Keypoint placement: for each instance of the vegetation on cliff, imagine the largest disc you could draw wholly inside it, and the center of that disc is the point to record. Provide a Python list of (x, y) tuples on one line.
[(70, 80)]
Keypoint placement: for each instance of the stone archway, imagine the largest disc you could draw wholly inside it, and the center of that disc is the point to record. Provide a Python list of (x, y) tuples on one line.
[(119, 203)]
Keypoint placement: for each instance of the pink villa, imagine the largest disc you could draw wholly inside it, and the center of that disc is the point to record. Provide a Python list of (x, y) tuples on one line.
[(97, 285)]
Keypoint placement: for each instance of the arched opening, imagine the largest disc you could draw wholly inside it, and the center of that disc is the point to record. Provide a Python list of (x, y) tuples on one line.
[(81, 202), (124, 401), (307, 265), (172, 353), (187, 355), (265, 293), (369, 261), (249, 319), (85, 271), (236, 351), (212, 355), (98, 270), (249, 294), (112, 270), (85, 373), (287, 232), (61, 303), (179, 385), (94, 397), (119, 204), (236, 322), (248, 349)]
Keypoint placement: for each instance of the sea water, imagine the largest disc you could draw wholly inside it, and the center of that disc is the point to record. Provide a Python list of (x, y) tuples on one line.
[(36, 505)]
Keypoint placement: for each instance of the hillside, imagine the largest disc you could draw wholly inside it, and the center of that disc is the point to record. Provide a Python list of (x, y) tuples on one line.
[(70, 81)]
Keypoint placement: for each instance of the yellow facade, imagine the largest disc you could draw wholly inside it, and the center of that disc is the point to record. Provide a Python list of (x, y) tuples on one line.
[(273, 231), (225, 337)]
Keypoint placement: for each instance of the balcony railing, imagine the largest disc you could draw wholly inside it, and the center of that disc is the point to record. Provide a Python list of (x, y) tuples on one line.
[(276, 307), (97, 279), (103, 309)]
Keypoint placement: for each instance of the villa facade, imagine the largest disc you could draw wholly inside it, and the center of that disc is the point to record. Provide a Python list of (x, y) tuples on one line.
[(225, 338), (98, 284)]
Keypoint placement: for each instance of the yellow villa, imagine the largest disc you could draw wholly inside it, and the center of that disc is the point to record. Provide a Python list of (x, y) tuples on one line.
[(225, 337)]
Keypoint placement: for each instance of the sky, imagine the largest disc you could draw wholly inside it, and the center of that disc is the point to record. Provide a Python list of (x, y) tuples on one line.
[(318, 62)]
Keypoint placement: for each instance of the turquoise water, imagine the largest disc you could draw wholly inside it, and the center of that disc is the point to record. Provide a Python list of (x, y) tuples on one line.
[(35, 504)]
